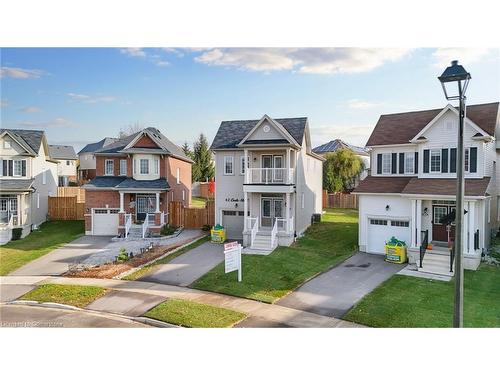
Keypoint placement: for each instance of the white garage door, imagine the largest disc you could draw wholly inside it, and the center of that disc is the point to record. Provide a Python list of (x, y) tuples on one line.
[(381, 230), (233, 223), (105, 222)]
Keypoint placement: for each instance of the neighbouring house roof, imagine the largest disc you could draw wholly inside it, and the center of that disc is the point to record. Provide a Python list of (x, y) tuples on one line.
[(338, 144), (61, 152), (7, 184), (399, 128), (426, 186), (167, 146), (115, 182), (91, 147), (231, 133), (31, 139)]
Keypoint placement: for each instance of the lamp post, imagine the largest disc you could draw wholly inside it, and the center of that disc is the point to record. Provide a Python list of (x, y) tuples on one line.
[(455, 80)]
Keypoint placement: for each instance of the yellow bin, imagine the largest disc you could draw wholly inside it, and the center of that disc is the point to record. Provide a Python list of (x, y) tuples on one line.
[(395, 254), (218, 235)]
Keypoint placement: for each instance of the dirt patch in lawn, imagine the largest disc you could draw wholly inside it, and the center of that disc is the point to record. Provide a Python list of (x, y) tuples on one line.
[(110, 270)]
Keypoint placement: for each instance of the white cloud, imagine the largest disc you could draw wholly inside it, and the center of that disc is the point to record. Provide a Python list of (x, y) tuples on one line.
[(30, 109), (354, 134), (444, 56), (134, 52), (19, 73), (59, 122), (90, 99), (148, 55), (362, 104), (303, 60)]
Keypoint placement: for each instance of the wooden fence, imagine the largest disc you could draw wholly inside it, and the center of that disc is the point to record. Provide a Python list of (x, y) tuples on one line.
[(72, 191), (340, 200), (66, 208), (191, 217)]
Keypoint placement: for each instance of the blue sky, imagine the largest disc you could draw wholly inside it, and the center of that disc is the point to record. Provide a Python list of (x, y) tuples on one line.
[(81, 95)]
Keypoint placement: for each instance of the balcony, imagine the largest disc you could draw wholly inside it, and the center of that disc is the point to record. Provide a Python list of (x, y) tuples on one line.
[(270, 176)]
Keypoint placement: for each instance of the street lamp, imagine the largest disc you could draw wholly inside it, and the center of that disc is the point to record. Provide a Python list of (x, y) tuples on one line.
[(457, 74)]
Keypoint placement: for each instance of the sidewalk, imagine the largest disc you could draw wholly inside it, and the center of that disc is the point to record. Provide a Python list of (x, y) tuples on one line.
[(279, 315)]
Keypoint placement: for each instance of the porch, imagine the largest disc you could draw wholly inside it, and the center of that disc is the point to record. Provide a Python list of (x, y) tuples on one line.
[(13, 214)]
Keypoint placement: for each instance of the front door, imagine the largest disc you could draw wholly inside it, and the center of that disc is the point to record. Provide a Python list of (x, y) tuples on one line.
[(267, 165), (145, 204), (8, 208), (439, 229), (271, 209)]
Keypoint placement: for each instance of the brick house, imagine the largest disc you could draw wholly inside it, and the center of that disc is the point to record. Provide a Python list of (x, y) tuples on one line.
[(136, 178)]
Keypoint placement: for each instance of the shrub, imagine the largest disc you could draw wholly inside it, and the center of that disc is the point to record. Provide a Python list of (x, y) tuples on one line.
[(16, 233), (167, 230), (206, 228), (122, 256)]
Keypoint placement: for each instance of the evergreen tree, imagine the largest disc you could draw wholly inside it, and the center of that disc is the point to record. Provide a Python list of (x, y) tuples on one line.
[(340, 170), (187, 150), (203, 167)]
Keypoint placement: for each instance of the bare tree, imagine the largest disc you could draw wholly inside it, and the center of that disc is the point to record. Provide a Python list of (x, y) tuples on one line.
[(130, 129)]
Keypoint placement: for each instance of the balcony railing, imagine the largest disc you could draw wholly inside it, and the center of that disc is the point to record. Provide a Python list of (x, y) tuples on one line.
[(269, 176)]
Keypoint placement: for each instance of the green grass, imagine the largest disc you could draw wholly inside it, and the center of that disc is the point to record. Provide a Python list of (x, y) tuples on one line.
[(198, 202), (192, 314), (74, 295), (404, 301), (50, 236), (150, 268), (268, 278)]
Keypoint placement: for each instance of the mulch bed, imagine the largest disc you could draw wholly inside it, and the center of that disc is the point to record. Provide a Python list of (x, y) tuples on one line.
[(110, 270)]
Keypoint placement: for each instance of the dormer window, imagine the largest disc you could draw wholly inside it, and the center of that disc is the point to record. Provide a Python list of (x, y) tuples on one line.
[(144, 166), (7, 144)]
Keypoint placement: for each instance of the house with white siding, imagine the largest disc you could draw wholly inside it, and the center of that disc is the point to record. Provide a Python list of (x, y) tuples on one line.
[(411, 192), (268, 181), (66, 163)]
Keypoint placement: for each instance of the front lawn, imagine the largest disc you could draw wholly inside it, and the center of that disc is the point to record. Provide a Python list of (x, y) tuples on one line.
[(268, 278), (74, 295), (192, 314), (404, 301), (50, 236)]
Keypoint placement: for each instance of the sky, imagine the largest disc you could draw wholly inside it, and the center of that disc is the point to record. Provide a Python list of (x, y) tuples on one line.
[(81, 95)]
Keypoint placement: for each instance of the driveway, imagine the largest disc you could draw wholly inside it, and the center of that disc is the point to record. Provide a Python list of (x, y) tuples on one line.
[(56, 262), (186, 268), (335, 292)]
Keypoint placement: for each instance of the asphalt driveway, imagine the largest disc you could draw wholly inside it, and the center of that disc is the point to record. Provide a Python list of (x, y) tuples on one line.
[(335, 292), (186, 268), (56, 262)]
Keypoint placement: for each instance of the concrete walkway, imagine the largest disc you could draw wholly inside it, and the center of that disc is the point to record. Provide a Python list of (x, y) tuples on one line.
[(273, 315), (335, 292), (186, 268)]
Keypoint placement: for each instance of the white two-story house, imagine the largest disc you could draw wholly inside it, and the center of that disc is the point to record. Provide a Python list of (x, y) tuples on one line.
[(412, 187), (27, 178), (66, 163), (268, 181)]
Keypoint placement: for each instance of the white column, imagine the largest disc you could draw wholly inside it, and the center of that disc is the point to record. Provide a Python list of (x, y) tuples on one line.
[(247, 165), (157, 202), (245, 207), (288, 164), (413, 223), (472, 225), (418, 223), (287, 209), (121, 201)]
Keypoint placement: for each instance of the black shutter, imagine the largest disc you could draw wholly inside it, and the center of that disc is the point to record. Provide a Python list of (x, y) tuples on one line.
[(4, 167), (394, 167), (473, 160), (10, 167), (453, 160), (379, 164), (444, 160), (416, 162), (23, 168), (401, 162), (426, 161)]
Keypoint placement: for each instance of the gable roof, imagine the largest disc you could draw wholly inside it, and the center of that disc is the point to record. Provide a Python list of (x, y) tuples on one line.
[(125, 145), (91, 147), (231, 133), (28, 139), (399, 128), (62, 152), (338, 144)]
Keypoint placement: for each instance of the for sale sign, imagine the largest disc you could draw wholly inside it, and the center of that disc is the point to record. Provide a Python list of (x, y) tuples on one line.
[(232, 258)]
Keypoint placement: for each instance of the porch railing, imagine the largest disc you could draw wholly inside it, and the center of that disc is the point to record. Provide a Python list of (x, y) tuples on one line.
[(269, 176), (255, 228), (162, 218), (274, 232), (452, 256), (285, 225), (476, 239), (128, 224), (146, 223), (423, 246)]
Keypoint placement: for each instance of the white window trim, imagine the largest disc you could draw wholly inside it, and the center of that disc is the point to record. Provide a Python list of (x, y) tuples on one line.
[(106, 167), (156, 166), (226, 159), (44, 177), (302, 201), (7, 144), (438, 151), (37, 200), (183, 195), (140, 166), (390, 163), (409, 155), (20, 163), (123, 172), (178, 176)]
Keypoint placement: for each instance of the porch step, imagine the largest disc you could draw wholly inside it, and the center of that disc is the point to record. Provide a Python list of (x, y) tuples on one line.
[(261, 245), (435, 263)]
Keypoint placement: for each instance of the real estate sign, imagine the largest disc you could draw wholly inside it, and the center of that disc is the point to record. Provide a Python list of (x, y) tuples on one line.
[(232, 258)]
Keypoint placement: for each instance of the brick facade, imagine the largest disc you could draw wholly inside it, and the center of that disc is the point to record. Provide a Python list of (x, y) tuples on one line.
[(184, 181)]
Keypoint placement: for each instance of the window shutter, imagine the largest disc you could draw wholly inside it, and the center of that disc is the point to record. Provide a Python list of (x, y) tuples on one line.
[(426, 161), (444, 160), (379, 164), (4, 168), (473, 160), (416, 162), (23, 168), (401, 163), (394, 169), (453, 160), (11, 162), (1, 167)]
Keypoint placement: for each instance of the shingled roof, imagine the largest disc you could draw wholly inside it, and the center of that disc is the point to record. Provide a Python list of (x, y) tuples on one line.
[(30, 138), (91, 147), (338, 144), (231, 133), (399, 128), (11, 184), (120, 182), (61, 152)]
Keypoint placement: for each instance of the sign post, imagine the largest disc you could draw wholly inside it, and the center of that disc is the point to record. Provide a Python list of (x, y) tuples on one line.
[(232, 258)]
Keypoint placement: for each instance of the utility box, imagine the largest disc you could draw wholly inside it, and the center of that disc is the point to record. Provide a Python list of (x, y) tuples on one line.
[(395, 251), (315, 218), (218, 234)]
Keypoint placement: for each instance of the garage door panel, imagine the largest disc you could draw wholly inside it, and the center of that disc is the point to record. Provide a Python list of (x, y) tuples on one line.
[(105, 222), (381, 230), (233, 224)]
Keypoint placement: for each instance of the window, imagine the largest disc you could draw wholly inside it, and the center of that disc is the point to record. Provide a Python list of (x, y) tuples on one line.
[(38, 200), (386, 163), (7, 144), (397, 223), (436, 160), (18, 168), (135, 166), (178, 176), (68, 162), (409, 163), (144, 166), (302, 200), (466, 160), (243, 165), (109, 167), (157, 166), (44, 177), (123, 167), (183, 195), (228, 165), (378, 222), (100, 211)]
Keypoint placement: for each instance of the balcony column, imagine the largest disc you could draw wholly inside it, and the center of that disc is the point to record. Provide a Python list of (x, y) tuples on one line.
[(247, 165), (121, 201), (245, 213), (287, 212), (472, 225), (157, 202), (288, 165), (418, 223)]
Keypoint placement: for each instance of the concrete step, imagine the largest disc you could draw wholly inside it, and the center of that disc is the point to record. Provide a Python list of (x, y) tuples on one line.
[(436, 270)]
